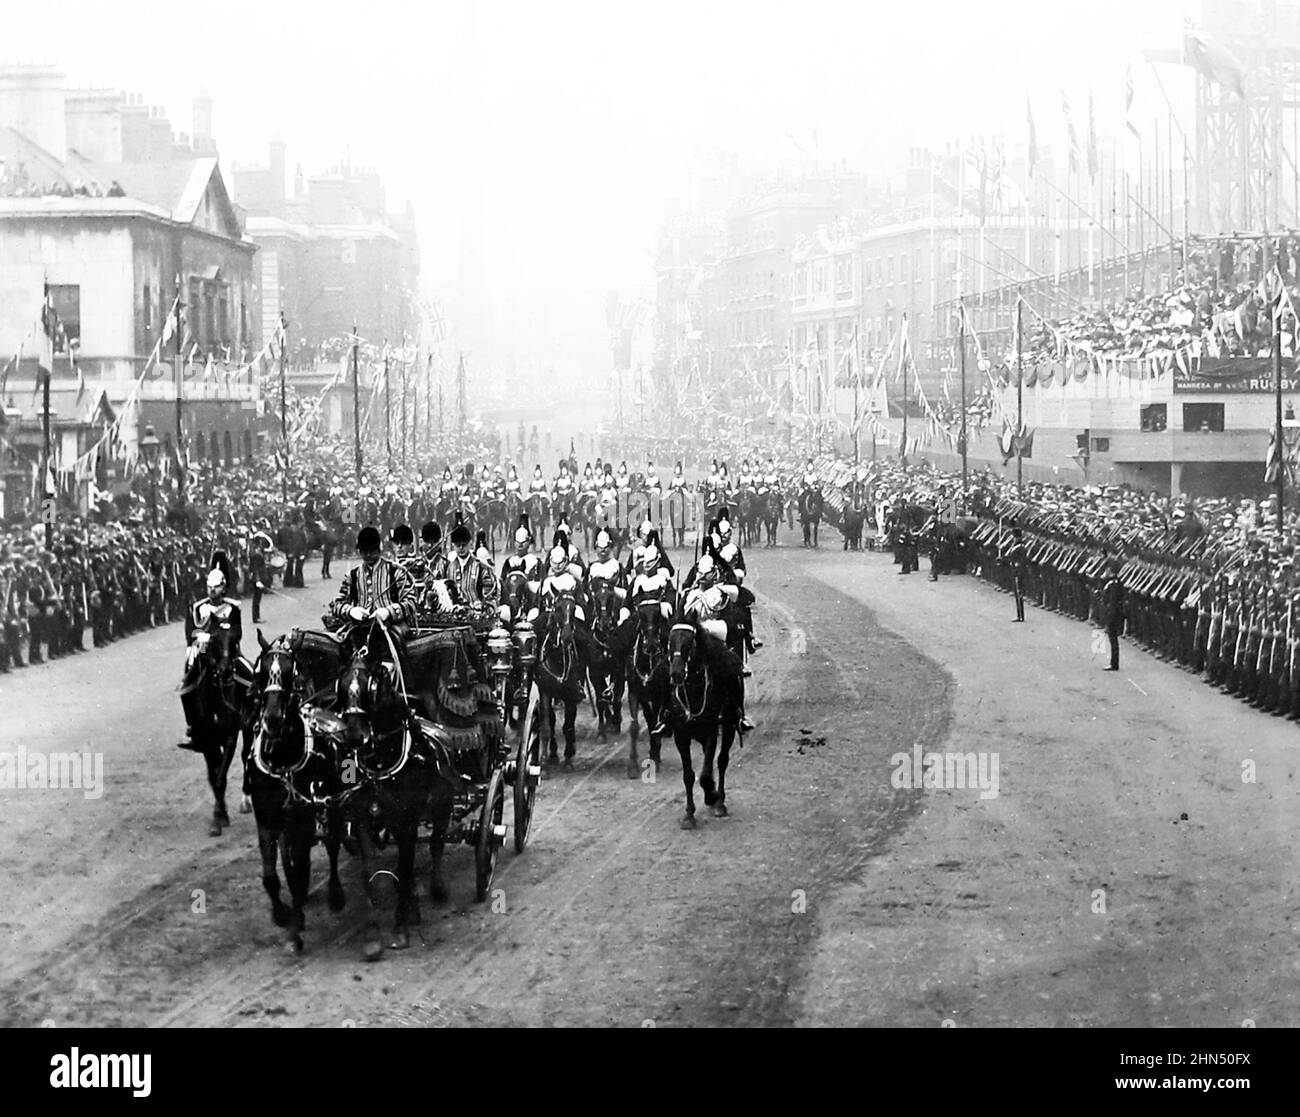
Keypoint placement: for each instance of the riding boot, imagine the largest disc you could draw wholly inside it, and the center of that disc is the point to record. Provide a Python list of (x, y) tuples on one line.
[(190, 704)]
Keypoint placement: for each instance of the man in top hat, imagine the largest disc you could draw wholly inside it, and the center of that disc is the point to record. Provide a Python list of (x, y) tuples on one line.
[(375, 587), (474, 581), (204, 615)]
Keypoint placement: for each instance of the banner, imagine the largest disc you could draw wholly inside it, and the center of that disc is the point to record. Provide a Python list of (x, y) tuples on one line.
[(1235, 375)]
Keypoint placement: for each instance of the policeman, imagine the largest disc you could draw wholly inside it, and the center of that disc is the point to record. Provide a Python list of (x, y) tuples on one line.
[(1113, 612), (214, 610), (1015, 558)]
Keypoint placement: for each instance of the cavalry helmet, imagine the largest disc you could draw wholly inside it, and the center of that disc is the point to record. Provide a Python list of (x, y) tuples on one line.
[(523, 533), (604, 539)]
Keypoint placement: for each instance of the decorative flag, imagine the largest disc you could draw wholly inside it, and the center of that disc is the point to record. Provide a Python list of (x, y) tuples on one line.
[(1033, 136), (1092, 141), (1128, 103), (1074, 138), (1273, 461), (1213, 61)]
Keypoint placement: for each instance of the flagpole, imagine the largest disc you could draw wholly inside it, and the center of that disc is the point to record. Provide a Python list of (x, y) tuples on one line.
[(1020, 404), (284, 428), (47, 323), (180, 394), (904, 347), (356, 403), (404, 387), (388, 410), (857, 377), (961, 354), (1277, 380)]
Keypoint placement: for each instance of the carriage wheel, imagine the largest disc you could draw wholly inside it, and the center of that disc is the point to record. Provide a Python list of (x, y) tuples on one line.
[(491, 833), (528, 770)]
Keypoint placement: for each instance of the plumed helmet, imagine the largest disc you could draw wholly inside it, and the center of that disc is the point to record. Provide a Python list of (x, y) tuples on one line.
[(559, 558), (402, 535), (604, 539), (460, 533), (646, 528), (678, 467), (649, 557), (537, 470), (724, 528), (561, 538), (368, 539), (523, 533), (705, 567), (220, 565), (431, 533), (446, 473)]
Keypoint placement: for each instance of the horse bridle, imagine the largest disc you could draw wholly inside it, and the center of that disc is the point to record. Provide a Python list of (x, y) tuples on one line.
[(553, 636), (681, 690)]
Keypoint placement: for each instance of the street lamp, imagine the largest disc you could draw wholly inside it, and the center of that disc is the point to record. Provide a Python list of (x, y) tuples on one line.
[(149, 451)]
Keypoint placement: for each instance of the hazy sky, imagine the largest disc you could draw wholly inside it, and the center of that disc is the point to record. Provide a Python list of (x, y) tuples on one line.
[(582, 116)]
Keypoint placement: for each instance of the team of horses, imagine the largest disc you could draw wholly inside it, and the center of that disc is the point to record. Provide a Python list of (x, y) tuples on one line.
[(356, 744)]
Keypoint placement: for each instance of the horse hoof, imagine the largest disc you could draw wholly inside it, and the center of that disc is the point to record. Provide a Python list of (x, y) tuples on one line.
[(401, 940), (280, 915), (633, 770), (688, 822), (293, 944), (337, 899), (710, 797), (719, 810), (372, 951), (438, 893), (568, 764), (214, 829), (245, 805)]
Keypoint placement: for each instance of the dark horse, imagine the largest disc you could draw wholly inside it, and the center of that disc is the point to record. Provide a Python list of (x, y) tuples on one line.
[(810, 515), (289, 778), (223, 711), (647, 682), (703, 703), (607, 668), (397, 779), (773, 505), (560, 675)]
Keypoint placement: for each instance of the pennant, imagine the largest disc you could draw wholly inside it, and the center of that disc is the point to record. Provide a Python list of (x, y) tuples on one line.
[(1128, 103), (1213, 61), (1273, 460), (1074, 138), (1033, 136), (1092, 141)]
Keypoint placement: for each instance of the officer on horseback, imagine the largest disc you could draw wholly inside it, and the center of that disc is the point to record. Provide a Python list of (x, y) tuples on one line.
[(706, 603), (523, 561), (606, 567), (208, 612), (730, 553)]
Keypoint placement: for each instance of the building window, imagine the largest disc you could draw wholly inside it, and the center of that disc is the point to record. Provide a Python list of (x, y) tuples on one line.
[(1101, 445), (66, 299), (1155, 417), (889, 271), (1202, 416)]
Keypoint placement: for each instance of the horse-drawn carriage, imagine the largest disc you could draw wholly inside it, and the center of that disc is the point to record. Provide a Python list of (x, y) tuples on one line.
[(362, 740)]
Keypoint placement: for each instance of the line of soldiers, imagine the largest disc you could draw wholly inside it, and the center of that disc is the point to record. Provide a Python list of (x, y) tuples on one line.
[(115, 580)]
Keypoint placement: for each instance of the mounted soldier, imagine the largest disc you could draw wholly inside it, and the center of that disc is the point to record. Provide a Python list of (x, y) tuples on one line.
[(204, 615), (523, 562), (706, 603)]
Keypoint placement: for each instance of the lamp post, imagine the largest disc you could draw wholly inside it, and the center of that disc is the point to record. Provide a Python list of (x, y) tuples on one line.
[(149, 451)]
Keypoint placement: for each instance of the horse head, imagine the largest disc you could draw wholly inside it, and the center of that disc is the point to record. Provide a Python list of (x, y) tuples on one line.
[(605, 602), (513, 588), (277, 678), (217, 652), (681, 651), (650, 643)]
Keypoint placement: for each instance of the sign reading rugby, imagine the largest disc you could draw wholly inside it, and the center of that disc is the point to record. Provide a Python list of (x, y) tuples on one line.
[(1235, 374)]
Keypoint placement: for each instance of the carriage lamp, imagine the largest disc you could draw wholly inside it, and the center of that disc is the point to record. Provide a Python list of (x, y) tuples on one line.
[(526, 644), (500, 651)]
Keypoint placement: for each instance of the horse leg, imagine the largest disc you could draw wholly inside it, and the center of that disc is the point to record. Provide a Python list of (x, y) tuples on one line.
[(440, 807), (682, 738), (706, 777), (408, 910), (373, 947), (333, 842), (724, 757), (598, 687), (633, 734), (549, 746), (295, 852), (570, 732), (270, 824), (213, 753), (245, 755)]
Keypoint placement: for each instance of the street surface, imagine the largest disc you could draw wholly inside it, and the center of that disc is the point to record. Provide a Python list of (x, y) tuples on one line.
[(1124, 873)]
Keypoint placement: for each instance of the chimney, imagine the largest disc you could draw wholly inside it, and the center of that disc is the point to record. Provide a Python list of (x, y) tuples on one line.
[(275, 172), (32, 102), (203, 144)]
